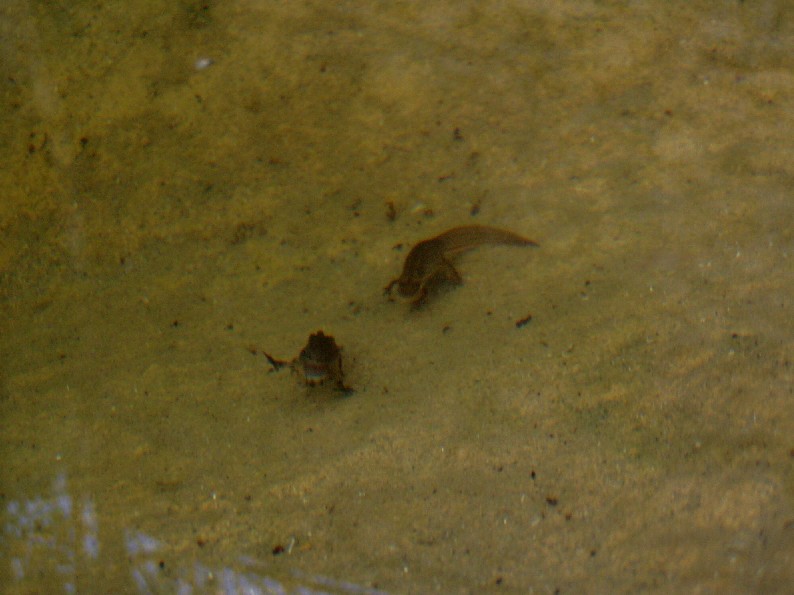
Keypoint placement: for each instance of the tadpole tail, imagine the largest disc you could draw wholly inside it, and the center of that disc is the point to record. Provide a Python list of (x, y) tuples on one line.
[(466, 237)]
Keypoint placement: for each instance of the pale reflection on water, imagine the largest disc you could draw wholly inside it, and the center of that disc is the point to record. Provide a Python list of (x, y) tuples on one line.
[(53, 536)]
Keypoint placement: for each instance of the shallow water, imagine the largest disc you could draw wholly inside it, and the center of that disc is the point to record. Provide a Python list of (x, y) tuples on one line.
[(187, 186)]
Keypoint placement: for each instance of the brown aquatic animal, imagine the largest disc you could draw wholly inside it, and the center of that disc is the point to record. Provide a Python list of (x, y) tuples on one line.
[(428, 264), (319, 361)]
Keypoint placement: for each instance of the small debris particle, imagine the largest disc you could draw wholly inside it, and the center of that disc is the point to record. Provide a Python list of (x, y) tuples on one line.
[(203, 63), (522, 322), (391, 211)]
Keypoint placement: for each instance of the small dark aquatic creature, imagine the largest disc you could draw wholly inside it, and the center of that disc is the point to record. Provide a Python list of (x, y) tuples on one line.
[(428, 264), (319, 361)]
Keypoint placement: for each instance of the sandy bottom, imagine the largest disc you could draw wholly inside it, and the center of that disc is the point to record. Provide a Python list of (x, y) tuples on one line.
[(188, 185)]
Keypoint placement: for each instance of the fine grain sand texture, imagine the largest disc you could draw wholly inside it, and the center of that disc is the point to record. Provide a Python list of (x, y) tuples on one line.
[(188, 185)]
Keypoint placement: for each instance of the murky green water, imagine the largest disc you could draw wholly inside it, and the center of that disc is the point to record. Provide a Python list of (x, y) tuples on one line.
[(189, 185)]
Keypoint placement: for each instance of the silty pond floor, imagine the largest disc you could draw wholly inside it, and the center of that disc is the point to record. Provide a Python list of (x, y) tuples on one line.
[(189, 186)]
